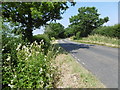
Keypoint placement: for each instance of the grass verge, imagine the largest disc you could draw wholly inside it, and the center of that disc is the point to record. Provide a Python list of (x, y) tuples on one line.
[(99, 40), (72, 74)]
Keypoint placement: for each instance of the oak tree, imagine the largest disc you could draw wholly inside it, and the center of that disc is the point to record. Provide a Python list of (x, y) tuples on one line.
[(87, 20), (32, 15)]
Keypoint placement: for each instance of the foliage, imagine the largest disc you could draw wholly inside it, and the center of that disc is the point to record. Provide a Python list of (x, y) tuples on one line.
[(77, 35), (69, 32), (10, 43), (25, 65), (110, 31), (32, 15), (45, 39), (86, 20), (55, 30), (33, 70)]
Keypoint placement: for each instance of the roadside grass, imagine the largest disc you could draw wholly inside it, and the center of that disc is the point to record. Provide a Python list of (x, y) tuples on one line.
[(72, 74), (99, 40)]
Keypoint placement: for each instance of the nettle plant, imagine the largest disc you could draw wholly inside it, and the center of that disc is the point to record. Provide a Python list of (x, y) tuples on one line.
[(33, 68)]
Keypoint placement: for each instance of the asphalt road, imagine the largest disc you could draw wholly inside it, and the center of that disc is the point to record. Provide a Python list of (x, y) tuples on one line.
[(102, 61)]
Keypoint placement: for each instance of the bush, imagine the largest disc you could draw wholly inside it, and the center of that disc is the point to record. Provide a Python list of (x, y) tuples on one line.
[(25, 64), (78, 35), (9, 57), (110, 31), (33, 70), (45, 39)]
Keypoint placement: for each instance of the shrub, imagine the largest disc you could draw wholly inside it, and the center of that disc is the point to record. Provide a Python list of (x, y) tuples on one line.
[(78, 35), (45, 39), (33, 70), (110, 31)]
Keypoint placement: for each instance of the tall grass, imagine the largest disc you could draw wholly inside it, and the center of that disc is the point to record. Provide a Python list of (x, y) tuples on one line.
[(101, 40)]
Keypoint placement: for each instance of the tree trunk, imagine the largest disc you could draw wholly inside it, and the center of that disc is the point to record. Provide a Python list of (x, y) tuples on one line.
[(28, 34)]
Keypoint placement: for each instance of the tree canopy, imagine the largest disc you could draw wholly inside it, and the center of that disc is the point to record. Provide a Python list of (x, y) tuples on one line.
[(32, 15), (86, 21), (55, 30)]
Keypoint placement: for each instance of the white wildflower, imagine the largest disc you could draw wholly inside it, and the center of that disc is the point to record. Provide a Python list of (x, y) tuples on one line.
[(37, 52), (59, 47), (30, 55), (31, 45), (24, 47), (27, 50), (35, 42), (2, 49), (8, 58), (39, 46), (18, 46), (15, 76), (11, 81), (26, 59), (42, 40), (45, 56), (42, 49), (57, 51), (40, 70), (43, 43), (45, 59), (11, 85)]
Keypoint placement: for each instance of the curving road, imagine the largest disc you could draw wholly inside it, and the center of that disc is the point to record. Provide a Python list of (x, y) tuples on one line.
[(102, 61)]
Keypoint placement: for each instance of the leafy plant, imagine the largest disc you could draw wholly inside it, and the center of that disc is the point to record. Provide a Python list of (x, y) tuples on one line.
[(33, 69), (45, 39)]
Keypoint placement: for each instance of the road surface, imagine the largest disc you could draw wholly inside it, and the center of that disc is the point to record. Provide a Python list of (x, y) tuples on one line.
[(102, 61)]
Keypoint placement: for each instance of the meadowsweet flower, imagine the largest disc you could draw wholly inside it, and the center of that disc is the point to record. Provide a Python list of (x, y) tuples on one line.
[(59, 47), (40, 70), (37, 52), (11, 81), (31, 45), (29, 55), (8, 58), (42, 40), (15, 76), (18, 46), (2, 49), (45, 56), (11, 85), (26, 59), (45, 59), (24, 47), (57, 51), (27, 50)]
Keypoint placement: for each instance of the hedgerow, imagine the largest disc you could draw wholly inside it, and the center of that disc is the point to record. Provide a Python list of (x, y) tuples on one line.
[(110, 31), (33, 68)]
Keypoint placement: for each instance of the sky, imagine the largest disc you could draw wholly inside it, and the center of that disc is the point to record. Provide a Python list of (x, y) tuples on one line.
[(109, 9)]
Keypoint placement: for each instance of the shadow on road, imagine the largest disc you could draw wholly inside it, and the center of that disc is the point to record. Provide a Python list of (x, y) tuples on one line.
[(72, 46)]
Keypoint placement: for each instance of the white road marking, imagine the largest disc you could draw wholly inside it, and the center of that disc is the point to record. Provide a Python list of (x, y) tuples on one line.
[(78, 59), (83, 63)]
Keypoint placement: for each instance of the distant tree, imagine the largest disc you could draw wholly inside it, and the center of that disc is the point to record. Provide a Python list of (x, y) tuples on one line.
[(32, 15), (68, 32), (55, 30), (86, 21)]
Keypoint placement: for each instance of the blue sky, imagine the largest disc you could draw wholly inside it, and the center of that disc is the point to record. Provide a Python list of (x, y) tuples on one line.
[(109, 9)]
